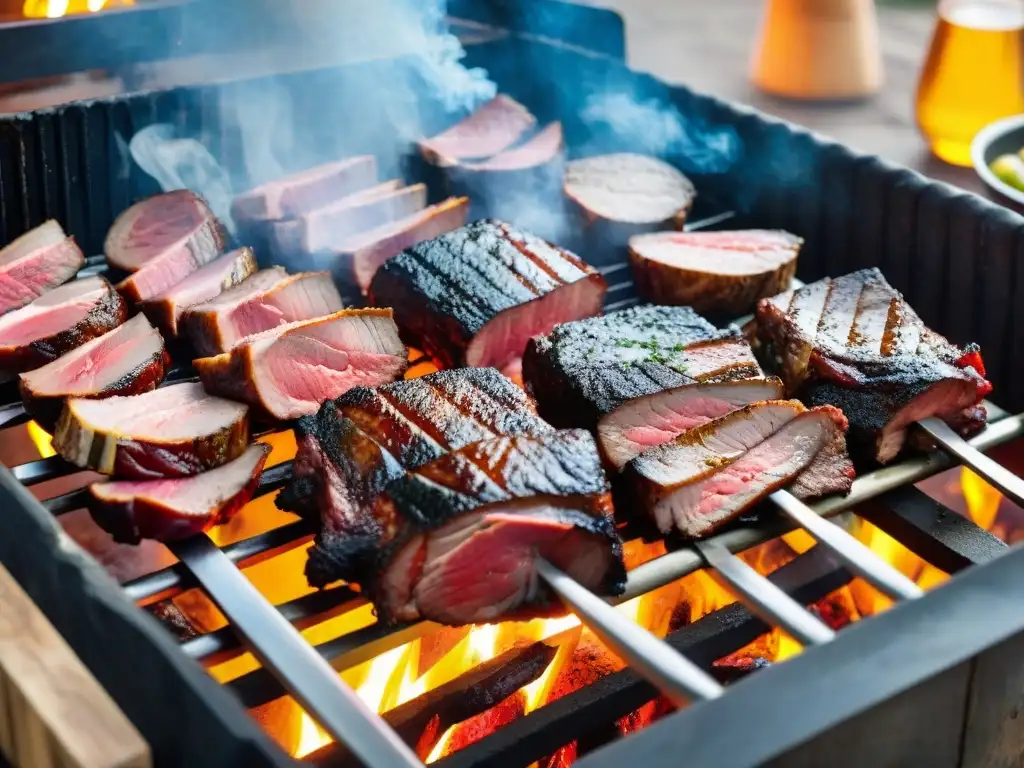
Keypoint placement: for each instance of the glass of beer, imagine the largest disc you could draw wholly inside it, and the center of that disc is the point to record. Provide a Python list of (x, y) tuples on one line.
[(974, 73)]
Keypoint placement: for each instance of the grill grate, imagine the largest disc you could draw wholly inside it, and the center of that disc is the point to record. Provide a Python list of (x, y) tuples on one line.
[(256, 624)]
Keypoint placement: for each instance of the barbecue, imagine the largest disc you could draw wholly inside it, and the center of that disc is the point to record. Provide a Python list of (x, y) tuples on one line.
[(306, 191), (36, 262), (290, 370), (548, 691), (173, 431), (208, 282), (477, 295), (723, 273), (492, 129), (58, 322), (130, 359)]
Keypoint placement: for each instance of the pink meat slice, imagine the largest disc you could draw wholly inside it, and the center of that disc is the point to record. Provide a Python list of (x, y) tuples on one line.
[(38, 261), (218, 325), (291, 370), (312, 188), (493, 128), (152, 226), (540, 149), (53, 312), (652, 420)]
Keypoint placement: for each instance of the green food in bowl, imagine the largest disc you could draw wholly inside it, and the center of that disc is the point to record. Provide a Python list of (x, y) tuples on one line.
[(1010, 169)]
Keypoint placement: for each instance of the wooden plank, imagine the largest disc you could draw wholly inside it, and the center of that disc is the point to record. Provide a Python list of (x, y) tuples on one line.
[(52, 710), (993, 737)]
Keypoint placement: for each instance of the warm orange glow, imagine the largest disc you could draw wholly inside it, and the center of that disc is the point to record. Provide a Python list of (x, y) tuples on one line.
[(54, 9), (41, 439), (982, 499)]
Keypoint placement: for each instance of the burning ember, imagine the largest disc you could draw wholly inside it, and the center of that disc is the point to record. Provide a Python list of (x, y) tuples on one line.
[(54, 9)]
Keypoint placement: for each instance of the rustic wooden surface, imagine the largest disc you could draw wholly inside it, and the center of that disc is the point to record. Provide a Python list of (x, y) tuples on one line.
[(707, 44), (52, 711)]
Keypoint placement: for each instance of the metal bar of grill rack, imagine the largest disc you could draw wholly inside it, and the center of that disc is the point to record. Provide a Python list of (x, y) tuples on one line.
[(309, 673)]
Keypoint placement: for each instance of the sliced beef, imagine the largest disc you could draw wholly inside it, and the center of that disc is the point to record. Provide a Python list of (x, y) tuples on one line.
[(356, 444), (58, 322), (38, 261), (854, 342), (125, 361), (324, 229), (652, 420), (617, 196), (585, 370), (724, 273), (475, 296), (463, 532), (161, 241), (312, 188), (174, 431), (291, 370), (494, 127), (165, 309), (362, 255), (176, 508), (264, 301), (712, 474)]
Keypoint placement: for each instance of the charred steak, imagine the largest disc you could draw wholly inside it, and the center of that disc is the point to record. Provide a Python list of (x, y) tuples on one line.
[(356, 444), (855, 343), (463, 532), (714, 272), (128, 360), (475, 296), (58, 322), (174, 431), (176, 508), (266, 300), (289, 371), (37, 262), (165, 309), (710, 475)]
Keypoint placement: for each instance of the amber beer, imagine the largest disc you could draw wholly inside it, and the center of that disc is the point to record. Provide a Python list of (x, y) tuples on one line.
[(974, 73)]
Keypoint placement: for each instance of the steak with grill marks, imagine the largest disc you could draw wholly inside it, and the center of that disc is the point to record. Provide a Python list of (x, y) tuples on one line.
[(854, 342), (354, 445), (37, 262), (127, 360), (461, 534), (476, 296), (710, 475), (58, 322), (290, 370), (641, 376)]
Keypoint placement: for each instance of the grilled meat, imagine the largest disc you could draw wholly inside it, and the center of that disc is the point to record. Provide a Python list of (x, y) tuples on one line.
[(356, 444), (161, 241), (463, 532), (710, 475), (493, 128), (165, 310), (301, 192), (475, 296), (324, 229), (617, 196), (37, 262), (854, 342), (58, 322), (290, 370), (175, 431), (362, 255), (611, 373), (173, 509), (714, 272), (266, 300), (128, 360)]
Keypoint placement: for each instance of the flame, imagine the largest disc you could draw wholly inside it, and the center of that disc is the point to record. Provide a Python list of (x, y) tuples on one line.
[(41, 439), (54, 9)]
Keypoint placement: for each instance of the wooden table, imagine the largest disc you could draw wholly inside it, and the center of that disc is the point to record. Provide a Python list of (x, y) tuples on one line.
[(707, 45)]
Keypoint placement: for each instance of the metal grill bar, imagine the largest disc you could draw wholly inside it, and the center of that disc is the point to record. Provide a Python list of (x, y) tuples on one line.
[(859, 558), (280, 648), (673, 674), (765, 598)]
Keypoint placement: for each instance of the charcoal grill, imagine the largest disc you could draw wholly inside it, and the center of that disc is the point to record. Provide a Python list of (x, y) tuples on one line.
[(931, 662)]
